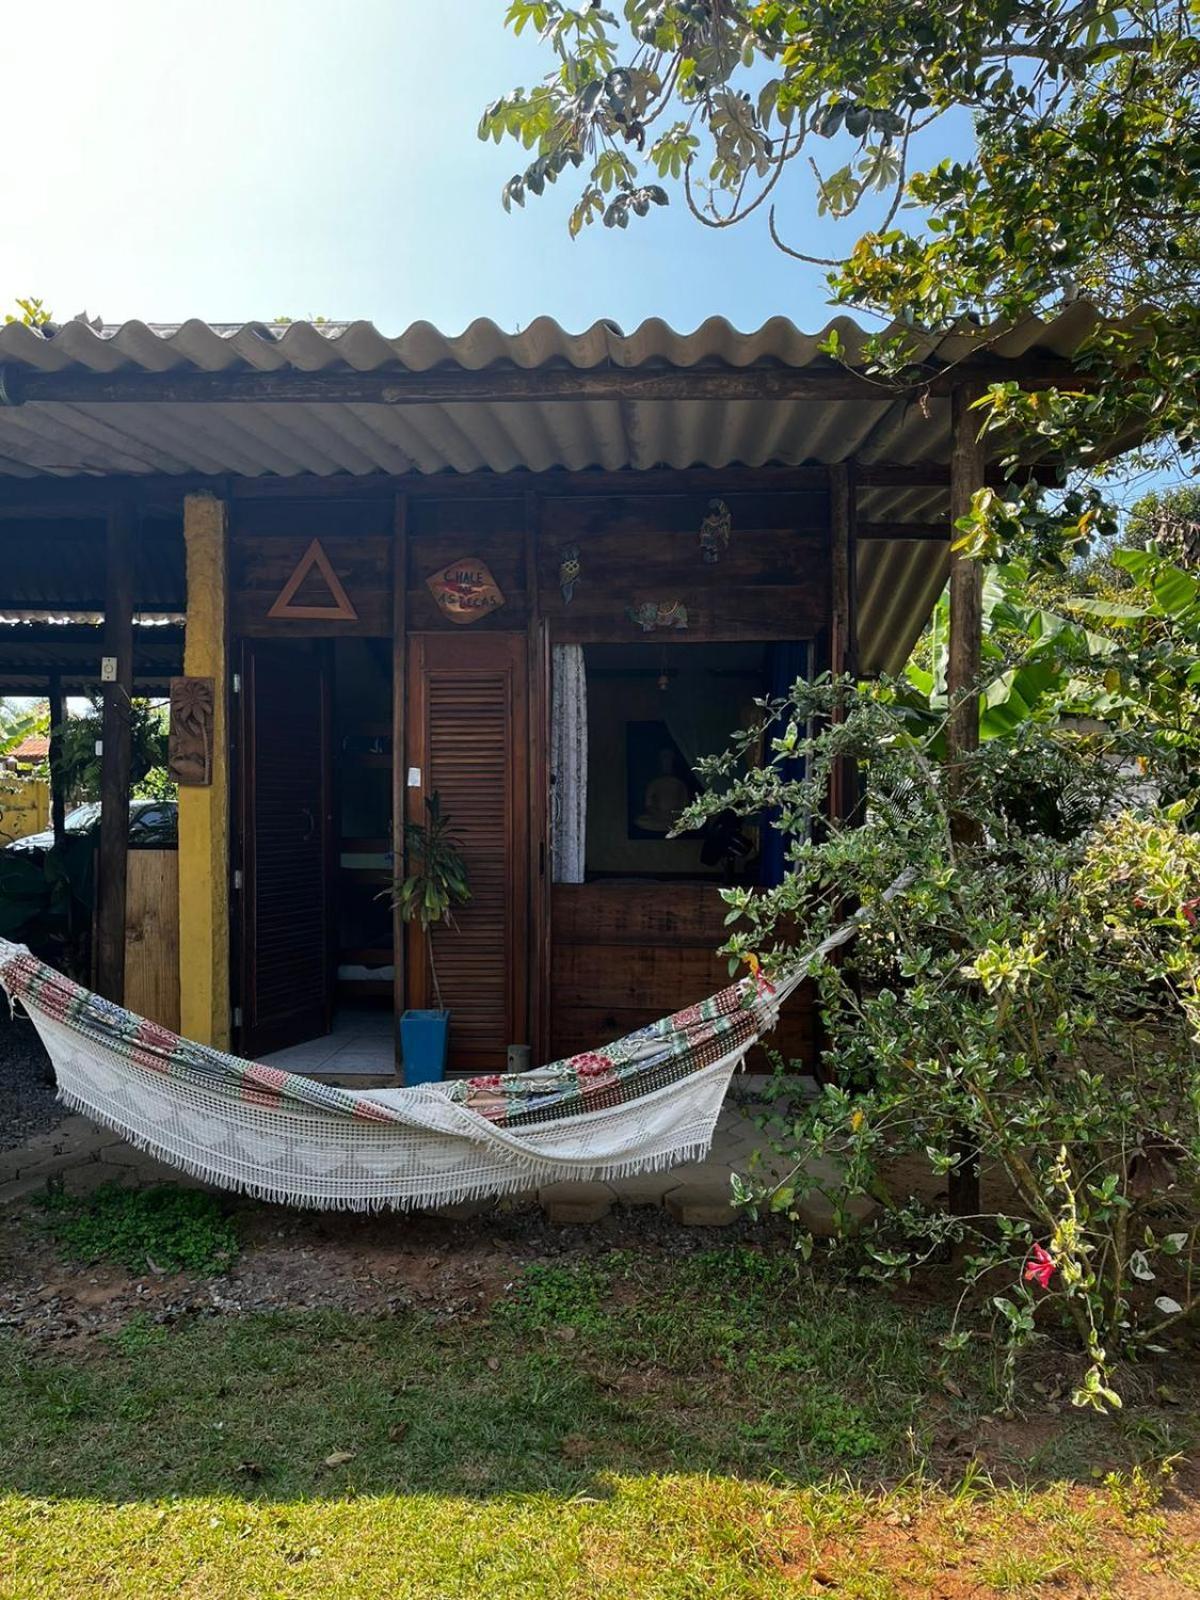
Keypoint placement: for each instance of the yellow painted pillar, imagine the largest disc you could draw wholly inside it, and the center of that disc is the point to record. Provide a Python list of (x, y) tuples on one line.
[(204, 883)]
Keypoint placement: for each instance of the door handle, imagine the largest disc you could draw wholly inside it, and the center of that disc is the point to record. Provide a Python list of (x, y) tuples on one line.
[(311, 823)]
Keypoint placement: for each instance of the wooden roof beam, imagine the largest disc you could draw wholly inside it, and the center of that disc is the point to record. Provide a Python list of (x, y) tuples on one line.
[(506, 384), (85, 496)]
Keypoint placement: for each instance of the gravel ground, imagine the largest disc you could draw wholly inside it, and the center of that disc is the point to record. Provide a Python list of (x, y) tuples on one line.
[(27, 1102)]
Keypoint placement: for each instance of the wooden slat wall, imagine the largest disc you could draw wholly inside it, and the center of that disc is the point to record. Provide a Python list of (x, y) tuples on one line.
[(262, 563), (628, 953), (152, 936), (772, 582)]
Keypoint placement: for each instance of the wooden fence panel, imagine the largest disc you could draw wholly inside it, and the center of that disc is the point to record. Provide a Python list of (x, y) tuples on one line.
[(152, 936)]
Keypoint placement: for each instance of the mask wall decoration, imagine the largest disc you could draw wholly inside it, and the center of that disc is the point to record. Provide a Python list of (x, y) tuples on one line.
[(465, 591), (569, 569), (653, 614), (715, 531)]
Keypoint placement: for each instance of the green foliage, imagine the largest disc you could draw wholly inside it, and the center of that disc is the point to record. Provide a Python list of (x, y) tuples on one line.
[(437, 881), (1026, 980), (148, 734), (31, 311), (46, 902), (1079, 178), (165, 1229)]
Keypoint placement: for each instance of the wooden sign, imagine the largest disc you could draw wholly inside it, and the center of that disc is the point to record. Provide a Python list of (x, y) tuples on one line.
[(190, 743), (314, 560), (465, 590)]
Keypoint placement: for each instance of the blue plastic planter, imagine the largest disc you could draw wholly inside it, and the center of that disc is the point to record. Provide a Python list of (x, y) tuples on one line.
[(424, 1037)]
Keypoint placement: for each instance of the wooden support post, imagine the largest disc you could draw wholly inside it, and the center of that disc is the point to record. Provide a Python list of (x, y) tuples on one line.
[(966, 609), (205, 886), (115, 756), (537, 672), (399, 755), (962, 726), (58, 798), (843, 630)]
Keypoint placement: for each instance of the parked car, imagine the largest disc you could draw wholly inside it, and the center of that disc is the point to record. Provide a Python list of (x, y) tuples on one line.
[(153, 825)]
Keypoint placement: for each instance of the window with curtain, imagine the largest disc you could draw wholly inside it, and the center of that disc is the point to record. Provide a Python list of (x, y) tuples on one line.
[(629, 725)]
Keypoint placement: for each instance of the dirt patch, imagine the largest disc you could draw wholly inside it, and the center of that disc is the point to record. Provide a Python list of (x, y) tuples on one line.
[(1081, 1543), (291, 1260)]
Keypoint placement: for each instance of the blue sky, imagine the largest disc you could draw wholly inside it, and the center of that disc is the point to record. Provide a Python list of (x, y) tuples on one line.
[(254, 158)]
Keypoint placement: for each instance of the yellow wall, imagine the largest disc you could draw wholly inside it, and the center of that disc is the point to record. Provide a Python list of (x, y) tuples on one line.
[(204, 883), (24, 807)]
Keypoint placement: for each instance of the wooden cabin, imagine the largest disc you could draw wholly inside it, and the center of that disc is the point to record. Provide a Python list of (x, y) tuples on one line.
[(537, 575)]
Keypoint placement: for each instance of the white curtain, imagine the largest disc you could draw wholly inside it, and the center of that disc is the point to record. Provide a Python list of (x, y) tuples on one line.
[(568, 764)]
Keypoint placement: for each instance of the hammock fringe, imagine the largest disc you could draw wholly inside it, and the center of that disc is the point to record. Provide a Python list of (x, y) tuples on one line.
[(536, 1176)]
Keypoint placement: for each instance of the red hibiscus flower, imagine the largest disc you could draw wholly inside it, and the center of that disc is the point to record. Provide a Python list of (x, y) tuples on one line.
[(1040, 1266), (1189, 910)]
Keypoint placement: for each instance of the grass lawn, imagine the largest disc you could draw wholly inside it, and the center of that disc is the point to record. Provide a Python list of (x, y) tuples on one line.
[(633, 1422)]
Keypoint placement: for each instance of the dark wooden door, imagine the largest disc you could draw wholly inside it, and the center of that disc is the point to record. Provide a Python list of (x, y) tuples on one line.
[(468, 742), (286, 818)]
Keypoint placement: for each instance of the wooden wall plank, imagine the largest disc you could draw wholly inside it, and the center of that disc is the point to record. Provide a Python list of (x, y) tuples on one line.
[(152, 936), (755, 557), (262, 564), (586, 516), (760, 614), (626, 954)]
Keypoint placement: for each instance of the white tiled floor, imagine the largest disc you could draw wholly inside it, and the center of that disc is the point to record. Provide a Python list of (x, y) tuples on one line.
[(361, 1044)]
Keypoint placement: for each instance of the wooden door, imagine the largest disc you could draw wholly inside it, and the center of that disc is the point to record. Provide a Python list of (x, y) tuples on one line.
[(286, 818), (468, 743)]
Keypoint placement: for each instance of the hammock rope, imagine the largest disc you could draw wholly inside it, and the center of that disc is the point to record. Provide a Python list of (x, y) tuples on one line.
[(645, 1102)]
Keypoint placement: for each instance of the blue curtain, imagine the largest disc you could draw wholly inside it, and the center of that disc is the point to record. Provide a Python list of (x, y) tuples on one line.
[(785, 663)]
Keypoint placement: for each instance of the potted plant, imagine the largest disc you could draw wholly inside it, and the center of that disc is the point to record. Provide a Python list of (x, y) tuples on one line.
[(435, 883)]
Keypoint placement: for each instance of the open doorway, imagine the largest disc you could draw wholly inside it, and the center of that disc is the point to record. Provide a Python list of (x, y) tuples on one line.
[(315, 833)]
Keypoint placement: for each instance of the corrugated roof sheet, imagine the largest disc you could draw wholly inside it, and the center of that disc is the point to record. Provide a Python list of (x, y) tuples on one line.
[(319, 347), (256, 439)]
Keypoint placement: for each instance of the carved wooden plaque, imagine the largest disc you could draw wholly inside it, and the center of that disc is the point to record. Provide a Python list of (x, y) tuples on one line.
[(190, 746)]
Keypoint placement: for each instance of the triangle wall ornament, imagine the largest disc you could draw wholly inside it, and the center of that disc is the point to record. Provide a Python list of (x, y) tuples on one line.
[(314, 559)]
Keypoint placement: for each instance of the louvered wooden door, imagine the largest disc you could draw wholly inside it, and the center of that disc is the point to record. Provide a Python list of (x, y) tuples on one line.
[(287, 970), (468, 741)]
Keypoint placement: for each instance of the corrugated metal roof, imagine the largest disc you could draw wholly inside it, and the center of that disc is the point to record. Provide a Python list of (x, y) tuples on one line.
[(319, 347), (261, 438), (256, 439)]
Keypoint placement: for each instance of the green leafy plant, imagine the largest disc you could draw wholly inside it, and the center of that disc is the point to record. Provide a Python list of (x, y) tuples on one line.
[(436, 881), (31, 311), (148, 737), (164, 1228), (1026, 996)]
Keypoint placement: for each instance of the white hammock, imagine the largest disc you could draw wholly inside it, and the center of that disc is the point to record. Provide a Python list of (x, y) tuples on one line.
[(643, 1103)]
